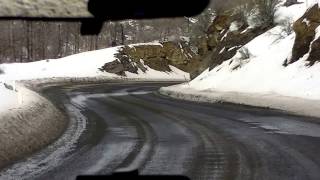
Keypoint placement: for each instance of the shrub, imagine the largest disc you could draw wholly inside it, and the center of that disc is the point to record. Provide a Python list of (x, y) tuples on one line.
[(267, 10), (286, 26), (245, 53)]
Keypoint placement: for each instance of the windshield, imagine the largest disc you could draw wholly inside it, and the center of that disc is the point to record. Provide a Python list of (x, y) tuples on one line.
[(226, 89)]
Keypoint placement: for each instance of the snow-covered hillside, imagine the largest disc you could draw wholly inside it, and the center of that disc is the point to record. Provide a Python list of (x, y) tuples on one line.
[(258, 66), (85, 64), (76, 66)]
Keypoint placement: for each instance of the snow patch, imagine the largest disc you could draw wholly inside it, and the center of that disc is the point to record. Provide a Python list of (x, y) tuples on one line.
[(234, 26), (307, 22), (9, 98), (317, 36), (154, 43), (222, 50)]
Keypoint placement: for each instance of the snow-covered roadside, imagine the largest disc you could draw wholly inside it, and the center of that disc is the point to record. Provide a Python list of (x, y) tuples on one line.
[(261, 79), (292, 105), (31, 124)]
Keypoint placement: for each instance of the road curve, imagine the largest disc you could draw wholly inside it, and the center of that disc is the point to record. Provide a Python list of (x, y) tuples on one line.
[(120, 127)]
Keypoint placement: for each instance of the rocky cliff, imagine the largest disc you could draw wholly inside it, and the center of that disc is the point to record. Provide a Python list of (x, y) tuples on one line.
[(158, 56), (306, 41), (225, 36)]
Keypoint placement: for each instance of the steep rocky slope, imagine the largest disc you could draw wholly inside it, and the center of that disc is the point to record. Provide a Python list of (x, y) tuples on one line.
[(157, 56), (282, 62), (225, 36), (281, 72), (221, 39)]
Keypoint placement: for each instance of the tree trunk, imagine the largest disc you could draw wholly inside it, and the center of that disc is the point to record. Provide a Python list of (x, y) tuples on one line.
[(122, 34)]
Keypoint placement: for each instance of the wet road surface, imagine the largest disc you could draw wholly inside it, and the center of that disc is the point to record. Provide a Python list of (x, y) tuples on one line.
[(121, 127)]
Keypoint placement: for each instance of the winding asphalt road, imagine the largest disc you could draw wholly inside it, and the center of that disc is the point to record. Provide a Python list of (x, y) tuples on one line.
[(121, 127)]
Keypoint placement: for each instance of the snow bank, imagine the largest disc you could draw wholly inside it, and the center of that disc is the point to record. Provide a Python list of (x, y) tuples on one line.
[(151, 74), (9, 98), (262, 75), (298, 106), (28, 125)]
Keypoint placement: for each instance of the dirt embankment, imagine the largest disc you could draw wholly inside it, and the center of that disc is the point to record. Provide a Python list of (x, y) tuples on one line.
[(29, 127)]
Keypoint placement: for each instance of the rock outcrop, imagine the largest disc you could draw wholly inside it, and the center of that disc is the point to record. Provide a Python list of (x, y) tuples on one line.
[(156, 56), (225, 36), (305, 29), (314, 55), (291, 2), (228, 32)]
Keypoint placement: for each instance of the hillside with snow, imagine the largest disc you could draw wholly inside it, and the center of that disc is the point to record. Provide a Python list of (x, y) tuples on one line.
[(82, 65), (258, 66), (85, 64)]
